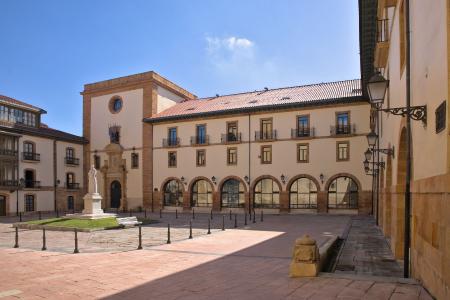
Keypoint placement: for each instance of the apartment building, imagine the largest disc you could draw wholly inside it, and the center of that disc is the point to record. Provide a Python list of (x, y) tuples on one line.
[(384, 48), (40, 167)]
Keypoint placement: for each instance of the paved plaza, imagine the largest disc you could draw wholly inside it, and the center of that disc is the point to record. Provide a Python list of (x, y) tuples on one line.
[(249, 262)]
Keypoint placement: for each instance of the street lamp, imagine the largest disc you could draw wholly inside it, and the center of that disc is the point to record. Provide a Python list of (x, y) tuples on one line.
[(366, 164), (368, 154), (376, 88), (372, 139)]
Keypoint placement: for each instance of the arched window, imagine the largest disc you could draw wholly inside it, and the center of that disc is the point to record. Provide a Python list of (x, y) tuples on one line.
[(303, 194), (201, 194), (173, 193), (267, 194), (343, 193), (232, 193)]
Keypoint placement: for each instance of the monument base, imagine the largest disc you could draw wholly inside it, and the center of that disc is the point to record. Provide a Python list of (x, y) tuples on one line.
[(90, 216), (92, 209)]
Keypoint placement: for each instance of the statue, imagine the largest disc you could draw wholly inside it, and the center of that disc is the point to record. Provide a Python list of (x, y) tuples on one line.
[(92, 181)]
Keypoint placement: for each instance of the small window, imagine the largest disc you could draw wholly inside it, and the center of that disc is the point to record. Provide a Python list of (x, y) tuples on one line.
[(303, 153), (440, 117), (343, 151), (29, 203), (70, 203), (97, 161), (342, 123), (266, 154), (232, 156), (115, 105), (172, 159), (134, 160), (28, 147), (201, 158), (70, 153)]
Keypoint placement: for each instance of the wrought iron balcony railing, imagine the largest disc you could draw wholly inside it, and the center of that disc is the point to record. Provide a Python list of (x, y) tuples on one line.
[(72, 161), (302, 132), (9, 183), (343, 129), (31, 156), (265, 135), (172, 142), (8, 152), (231, 138), (72, 185), (200, 140), (32, 184)]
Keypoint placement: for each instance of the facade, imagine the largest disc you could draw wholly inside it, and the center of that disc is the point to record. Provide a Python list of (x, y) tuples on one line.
[(386, 49), (293, 149), (41, 168)]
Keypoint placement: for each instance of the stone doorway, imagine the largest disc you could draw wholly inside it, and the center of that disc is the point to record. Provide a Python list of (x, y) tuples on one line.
[(2, 205), (116, 194)]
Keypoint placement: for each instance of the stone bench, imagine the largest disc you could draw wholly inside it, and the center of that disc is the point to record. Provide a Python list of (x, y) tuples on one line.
[(128, 222)]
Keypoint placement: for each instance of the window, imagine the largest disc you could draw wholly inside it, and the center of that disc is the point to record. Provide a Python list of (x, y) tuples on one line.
[(266, 129), (201, 134), (134, 160), (70, 153), (70, 181), (115, 105), (232, 194), (172, 137), (114, 134), (303, 153), (172, 159), (232, 156), (440, 117), (266, 154), (29, 203), (267, 194), (342, 151), (30, 179), (303, 194), (232, 132), (201, 194), (343, 193), (173, 193), (302, 126), (201, 158), (70, 203), (28, 147), (342, 123), (97, 161)]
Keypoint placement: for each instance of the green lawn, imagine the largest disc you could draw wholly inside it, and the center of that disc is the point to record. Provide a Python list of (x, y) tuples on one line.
[(77, 223)]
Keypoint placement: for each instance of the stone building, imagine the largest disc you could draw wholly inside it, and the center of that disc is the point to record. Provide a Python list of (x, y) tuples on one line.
[(383, 43), (40, 167), (294, 149)]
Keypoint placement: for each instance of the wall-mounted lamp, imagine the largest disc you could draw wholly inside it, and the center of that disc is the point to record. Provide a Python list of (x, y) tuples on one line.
[(182, 179), (283, 178), (213, 179), (368, 154), (247, 179), (57, 182), (321, 177), (22, 182)]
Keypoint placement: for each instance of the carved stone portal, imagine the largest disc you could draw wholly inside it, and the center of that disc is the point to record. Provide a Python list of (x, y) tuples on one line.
[(114, 178)]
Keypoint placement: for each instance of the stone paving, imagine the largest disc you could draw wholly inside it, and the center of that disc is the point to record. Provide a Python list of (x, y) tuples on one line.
[(366, 251), (246, 263)]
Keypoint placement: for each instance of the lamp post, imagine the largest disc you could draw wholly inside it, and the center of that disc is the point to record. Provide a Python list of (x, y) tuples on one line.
[(377, 86)]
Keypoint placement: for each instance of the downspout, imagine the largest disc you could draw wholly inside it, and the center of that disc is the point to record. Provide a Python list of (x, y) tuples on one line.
[(17, 176), (250, 198), (55, 176)]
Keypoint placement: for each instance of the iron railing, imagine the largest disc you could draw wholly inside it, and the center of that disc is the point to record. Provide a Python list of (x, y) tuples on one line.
[(200, 140), (231, 138), (72, 185), (302, 132), (171, 142), (32, 184), (9, 183), (343, 129), (72, 161), (8, 152), (265, 135), (31, 156)]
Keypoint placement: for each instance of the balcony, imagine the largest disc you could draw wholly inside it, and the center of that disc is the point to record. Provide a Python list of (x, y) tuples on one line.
[(32, 184), (343, 129), (31, 156), (302, 132), (199, 140), (72, 185), (231, 138), (382, 46), (172, 142), (270, 135), (9, 183), (8, 152), (72, 161)]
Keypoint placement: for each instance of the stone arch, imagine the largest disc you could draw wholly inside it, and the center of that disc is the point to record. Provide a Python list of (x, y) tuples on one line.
[(256, 180), (330, 180), (293, 179), (219, 187), (167, 180), (195, 179)]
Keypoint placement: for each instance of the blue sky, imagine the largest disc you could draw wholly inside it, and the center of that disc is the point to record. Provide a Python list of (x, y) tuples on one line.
[(50, 49)]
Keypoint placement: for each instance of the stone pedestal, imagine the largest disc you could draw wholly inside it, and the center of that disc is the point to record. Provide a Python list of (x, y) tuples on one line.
[(305, 259), (92, 209)]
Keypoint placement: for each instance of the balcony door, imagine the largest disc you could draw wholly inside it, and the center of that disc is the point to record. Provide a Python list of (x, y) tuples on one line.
[(2, 205), (201, 134), (29, 178)]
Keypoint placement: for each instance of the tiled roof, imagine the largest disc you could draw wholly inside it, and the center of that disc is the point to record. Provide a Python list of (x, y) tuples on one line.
[(16, 102), (43, 131), (268, 99)]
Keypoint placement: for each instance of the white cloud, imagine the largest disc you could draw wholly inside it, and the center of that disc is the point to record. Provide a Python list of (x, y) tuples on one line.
[(229, 44)]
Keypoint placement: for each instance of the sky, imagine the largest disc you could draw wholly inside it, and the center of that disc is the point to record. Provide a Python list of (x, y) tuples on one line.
[(50, 48)]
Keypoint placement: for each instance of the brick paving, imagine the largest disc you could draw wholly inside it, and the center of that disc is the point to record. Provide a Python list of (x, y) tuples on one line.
[(245, 263)]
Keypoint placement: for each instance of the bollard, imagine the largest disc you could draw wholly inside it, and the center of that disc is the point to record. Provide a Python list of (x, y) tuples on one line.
[(57, 213), (211, 215), (254, 217), (145, 213), (20, 216), (16, 244), (40, 216), (130, 212), (76, 242), (160, 213), (44, 246), (140, 238), (193, 213), (190, 229), (176, 213), (168, 233), (209, 226), (245, 222), (230, 214), (235, 220), (223, 222), (262, 216)]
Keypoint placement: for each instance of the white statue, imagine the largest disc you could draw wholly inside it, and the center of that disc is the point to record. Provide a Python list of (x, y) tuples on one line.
[(92, 181)]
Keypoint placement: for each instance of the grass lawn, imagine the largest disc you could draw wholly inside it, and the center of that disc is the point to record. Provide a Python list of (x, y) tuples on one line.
[(77, 223)]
